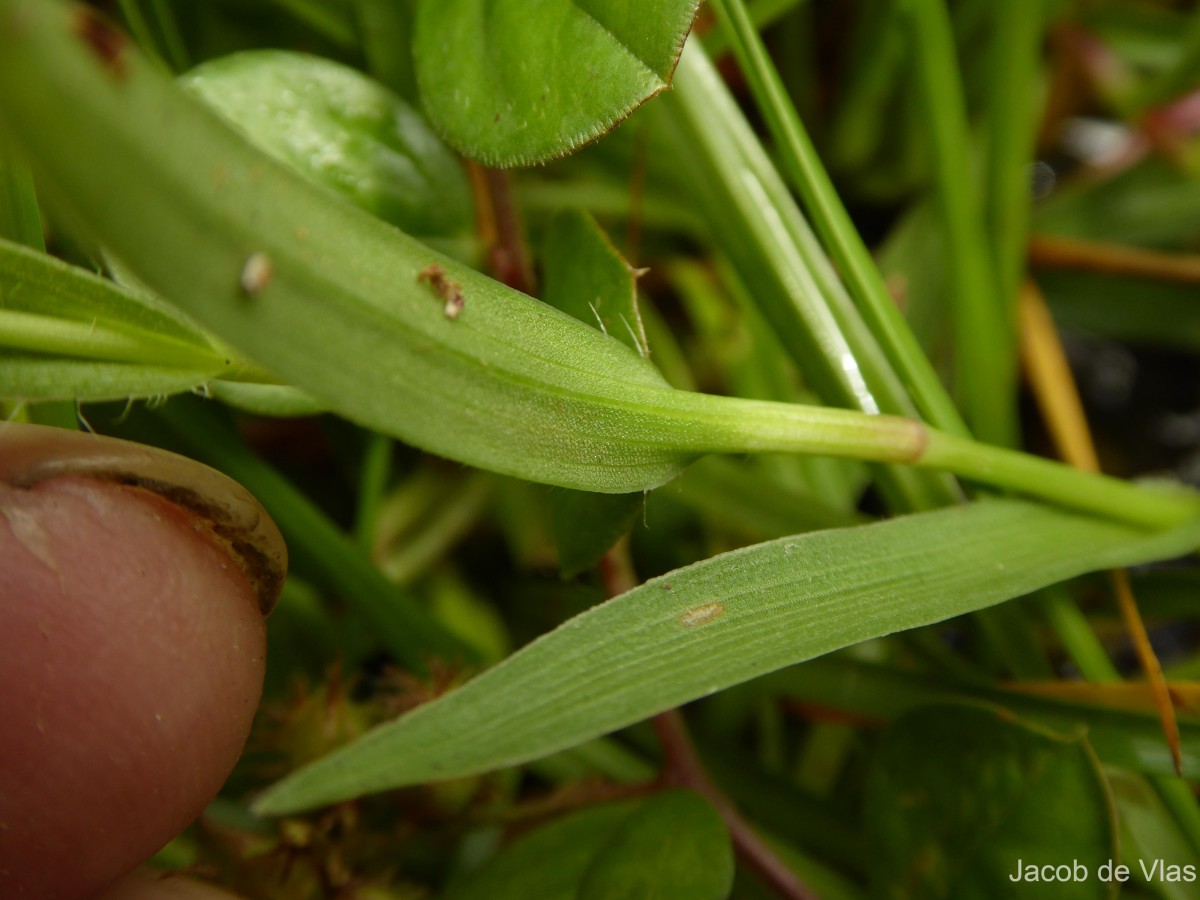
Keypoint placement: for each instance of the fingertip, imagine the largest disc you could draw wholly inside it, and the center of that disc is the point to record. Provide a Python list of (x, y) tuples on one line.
[(144, 884), (132, 650)]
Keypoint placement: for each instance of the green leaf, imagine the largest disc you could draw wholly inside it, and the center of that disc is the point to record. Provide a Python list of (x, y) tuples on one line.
[(517, 82), (548, 863), (959, 799), (670, 845), (586, 525), (585, 276), (20, 218), (34, 379), (342, 130), (985, 368), (673, 846), (66, 334), (1134, 310), (1153, 204), (755, 221), (69, 335), (721, 622), (1149, 833), (265, 399), (799, 160), (355, 313), (1125, 738), (32, 282)]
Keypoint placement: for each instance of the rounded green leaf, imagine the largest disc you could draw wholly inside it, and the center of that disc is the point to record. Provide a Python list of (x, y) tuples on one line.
[(549, 862), (342, 130), (968, 803), (517, 82), (673, 846), (670, 845)]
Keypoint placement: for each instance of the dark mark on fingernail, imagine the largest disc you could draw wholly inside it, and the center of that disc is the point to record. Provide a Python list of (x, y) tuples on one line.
[(261, 568)]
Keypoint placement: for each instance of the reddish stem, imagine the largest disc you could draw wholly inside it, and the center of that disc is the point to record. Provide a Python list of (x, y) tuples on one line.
[(683, 768), (500, 229)]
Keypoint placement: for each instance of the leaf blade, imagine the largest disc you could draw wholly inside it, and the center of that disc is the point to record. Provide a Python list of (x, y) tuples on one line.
[(959, 794), (495, 80), (690, 633)]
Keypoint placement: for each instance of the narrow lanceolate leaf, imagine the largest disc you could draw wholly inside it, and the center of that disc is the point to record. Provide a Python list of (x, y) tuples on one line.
[(69, 335), (66, 334), (20, 219), (516, 82), (721, 622)]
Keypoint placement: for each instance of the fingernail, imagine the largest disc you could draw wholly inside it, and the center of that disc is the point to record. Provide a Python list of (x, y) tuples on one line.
[(228, 513)]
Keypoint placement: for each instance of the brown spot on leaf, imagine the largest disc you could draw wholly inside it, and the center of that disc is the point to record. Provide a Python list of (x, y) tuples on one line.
[(106, 42), (701, 615)]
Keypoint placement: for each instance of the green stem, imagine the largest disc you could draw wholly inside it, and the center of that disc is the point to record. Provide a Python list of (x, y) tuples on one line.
[(332, 21), (803, 166), (131, 12), (1011, 125), (755, 220), (868, 80), (386, 29), (736, 425), (372, 482), (1058, 483), (448, 523), (763, 14), (1080, 642), (985, 340), (175, 49), (403, 627)]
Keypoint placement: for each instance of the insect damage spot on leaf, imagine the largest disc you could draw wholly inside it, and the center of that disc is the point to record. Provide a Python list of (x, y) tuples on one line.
[(448, 290), (255, 274), (106, 42), (701, 615)]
